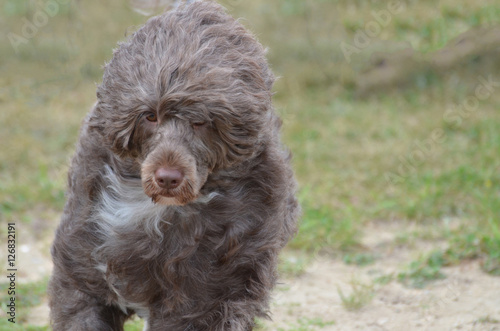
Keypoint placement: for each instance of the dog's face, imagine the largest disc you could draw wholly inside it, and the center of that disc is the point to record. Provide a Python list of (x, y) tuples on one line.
[(188, 94), (175, 164)]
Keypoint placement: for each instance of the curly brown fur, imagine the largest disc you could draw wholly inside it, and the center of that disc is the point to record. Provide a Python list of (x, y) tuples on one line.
[(190, 94)]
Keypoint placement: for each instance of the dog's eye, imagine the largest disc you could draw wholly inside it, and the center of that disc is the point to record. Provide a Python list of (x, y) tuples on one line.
[(151, 117), (197, 125)]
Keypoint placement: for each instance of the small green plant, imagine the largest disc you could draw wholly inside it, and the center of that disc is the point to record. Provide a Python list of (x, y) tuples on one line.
[(423, 271), (491, 245), (384, 279), (473, 243), (487, 320), (359, 259), (360, 296)]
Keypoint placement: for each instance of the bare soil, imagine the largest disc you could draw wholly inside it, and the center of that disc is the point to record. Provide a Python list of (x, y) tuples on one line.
[(467, 299)]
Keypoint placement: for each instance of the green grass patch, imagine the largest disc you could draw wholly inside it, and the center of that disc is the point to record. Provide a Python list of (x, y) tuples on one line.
[(384, 279), (463, 244), (359, 259), (27, 296), (487, 320), (421, 272), (6, 325), (320, 229), (476, 243)]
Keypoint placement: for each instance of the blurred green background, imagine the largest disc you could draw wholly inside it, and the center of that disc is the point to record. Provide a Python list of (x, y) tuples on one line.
[(392, 115)]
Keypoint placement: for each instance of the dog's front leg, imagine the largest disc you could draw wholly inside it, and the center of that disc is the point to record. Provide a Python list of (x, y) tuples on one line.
[(73, 310)]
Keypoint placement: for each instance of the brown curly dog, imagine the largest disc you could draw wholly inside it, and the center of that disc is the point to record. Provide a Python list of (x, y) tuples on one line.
[(180, 193)]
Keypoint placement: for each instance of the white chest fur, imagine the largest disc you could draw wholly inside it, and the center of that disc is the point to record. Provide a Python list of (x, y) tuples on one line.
[(122, 205)]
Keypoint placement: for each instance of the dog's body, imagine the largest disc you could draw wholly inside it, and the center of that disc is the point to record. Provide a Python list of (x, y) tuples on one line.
[(180, 193)]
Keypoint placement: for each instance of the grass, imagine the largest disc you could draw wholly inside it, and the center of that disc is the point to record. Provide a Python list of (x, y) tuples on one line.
[(423, 271), (475, 244), (357, 158), (360, 296), (359, 259), (383, 279), (487, 320), (27, 296)]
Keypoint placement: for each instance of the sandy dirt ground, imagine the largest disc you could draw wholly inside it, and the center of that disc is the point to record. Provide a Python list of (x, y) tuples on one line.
[(467, 299)]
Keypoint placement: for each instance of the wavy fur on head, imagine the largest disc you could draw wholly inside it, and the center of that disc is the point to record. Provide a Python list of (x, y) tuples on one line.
[(189, 93)]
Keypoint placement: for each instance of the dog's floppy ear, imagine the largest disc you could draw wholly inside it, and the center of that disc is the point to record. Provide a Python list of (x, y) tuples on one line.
[(116, 127)]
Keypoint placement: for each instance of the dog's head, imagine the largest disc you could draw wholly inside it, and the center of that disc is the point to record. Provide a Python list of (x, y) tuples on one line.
[(188, 94)]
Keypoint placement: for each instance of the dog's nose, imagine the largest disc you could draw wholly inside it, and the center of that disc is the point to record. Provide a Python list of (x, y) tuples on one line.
[(168, 178)]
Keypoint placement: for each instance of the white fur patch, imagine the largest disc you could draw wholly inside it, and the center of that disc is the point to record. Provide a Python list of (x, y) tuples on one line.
[(124, 203)]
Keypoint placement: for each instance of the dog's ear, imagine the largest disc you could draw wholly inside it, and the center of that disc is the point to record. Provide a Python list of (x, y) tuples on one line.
[(120, 138), (116, 128)]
